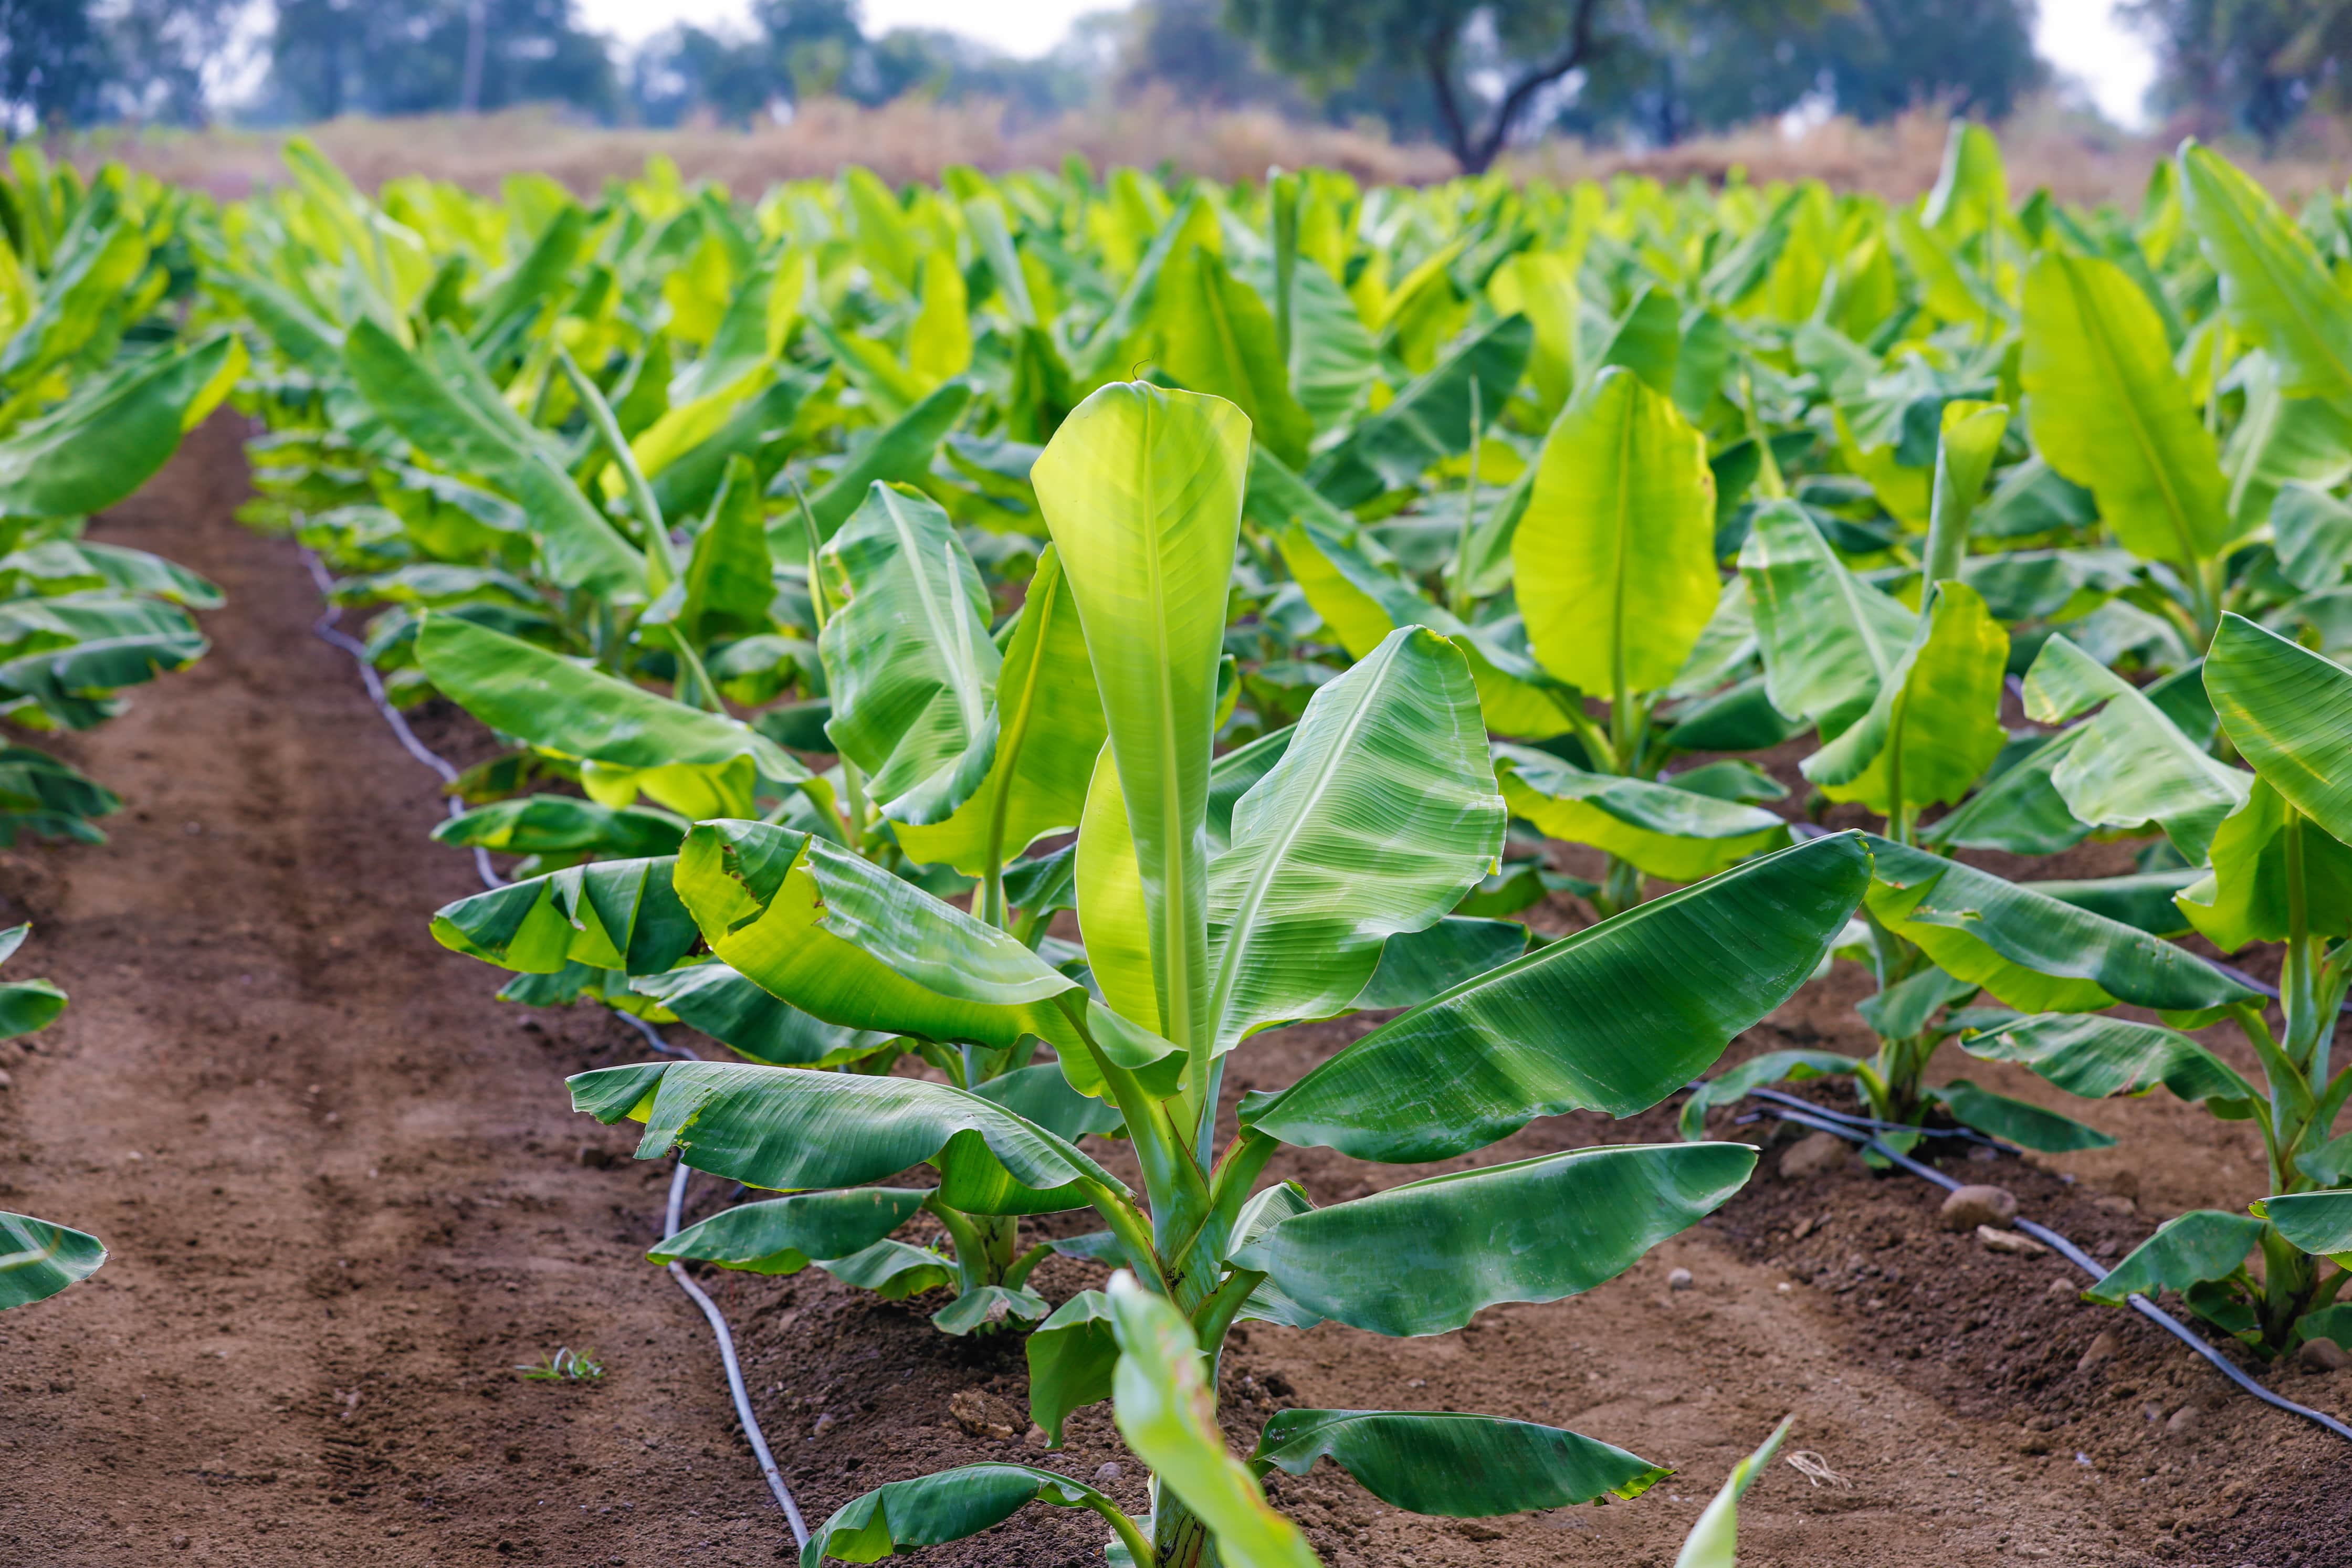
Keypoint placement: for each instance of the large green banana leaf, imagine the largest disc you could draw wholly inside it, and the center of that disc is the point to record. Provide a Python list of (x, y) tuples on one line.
[(612, 915), (785, 1235), (2017, 810), (2276, 287), (2201, 1245), (75, 566), (1418, 964), (1455, 1465), (697, 763), (899, 454), (946, 1506), (66, 654), (2313, 530), (845, 940), (26, 1005), (1615, 1018), (2133, 764), (2109, 412), (1025, 774), (1423, 1257), (452, 422), (561, 824), (755, 429), (38, 1259), (2096, 1057), (1362, 599), (1829, 638), (2245, 896), (1935, 724), (110, 437), (1665, 831), (2033, 952), (2289, 713), (731, 1009), (1142, 490), (788, 1129), (1428, 420), (1072, 1356), (2318, 1222), (1162, 1403), (1382, 813), (1216, 336), (1614, 559), (908, 658), (1333, 357)]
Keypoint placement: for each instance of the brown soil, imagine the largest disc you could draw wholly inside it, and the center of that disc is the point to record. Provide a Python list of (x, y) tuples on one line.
[(301, 1352)]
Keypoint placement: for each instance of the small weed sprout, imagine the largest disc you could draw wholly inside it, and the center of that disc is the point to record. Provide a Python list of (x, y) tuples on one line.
[(566, 1366)]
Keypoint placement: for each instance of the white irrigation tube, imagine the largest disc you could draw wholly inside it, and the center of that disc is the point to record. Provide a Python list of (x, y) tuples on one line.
[(673, 1214), (1790, 1108)]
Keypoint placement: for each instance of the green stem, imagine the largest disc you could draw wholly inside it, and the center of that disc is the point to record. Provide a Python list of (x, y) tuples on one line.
[(1178, 1534), (972, 1252), (1768, 471), (853, 786), (1132, 1538), (1458, 597), (658, 551), (2298, 985), (1017, 1272)]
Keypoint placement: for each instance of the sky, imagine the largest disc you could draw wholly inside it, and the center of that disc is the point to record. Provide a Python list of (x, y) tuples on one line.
[(2079, 37)]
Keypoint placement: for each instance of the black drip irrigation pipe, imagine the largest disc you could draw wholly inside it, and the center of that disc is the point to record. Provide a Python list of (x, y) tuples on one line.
[(673, 1214), (1863, 1130)]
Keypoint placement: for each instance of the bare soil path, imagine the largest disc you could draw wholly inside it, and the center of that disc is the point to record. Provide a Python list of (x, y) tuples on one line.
[(341, 1185)]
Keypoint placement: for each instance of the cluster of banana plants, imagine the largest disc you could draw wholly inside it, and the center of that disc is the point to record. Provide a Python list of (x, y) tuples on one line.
[(1206, 920), (815, 557), (97, 386)]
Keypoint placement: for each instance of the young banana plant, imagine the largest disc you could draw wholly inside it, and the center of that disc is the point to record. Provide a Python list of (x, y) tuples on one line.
[(37, 1258), (2280, 870), (1380, 812)]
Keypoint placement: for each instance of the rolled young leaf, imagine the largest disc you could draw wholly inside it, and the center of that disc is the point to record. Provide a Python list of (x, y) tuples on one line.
[(1615, 557), (1613, 1018), (1714, 1541), (1453, 1464), (1141, 489), (785, 1235), (1162, 1403), (788, 1129), (1423, 1257)]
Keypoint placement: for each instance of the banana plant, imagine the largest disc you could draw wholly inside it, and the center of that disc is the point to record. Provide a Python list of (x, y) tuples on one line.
[(37, 1258), (1380, 814), (1162, 1403), (2280, 870)]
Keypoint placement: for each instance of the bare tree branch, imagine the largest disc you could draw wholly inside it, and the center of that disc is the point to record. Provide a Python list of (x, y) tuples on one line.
[(1437, 55), (1514, 102)]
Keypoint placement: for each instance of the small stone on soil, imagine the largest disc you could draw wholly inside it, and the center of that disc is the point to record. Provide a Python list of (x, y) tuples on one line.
[(2008, 1241), (1813, 1153), (1680, 1279), (1970, 1207), (2184, 1420), (2323, 1355), (2103, 1349), (1110, 1472)]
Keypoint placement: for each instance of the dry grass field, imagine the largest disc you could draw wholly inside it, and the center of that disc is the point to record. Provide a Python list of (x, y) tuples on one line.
[(913, 139)]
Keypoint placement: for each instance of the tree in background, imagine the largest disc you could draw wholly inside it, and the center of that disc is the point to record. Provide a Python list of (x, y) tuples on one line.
[(413, 56), (2252, 65), (1536, 51), (52, 63), (1712, 66)]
